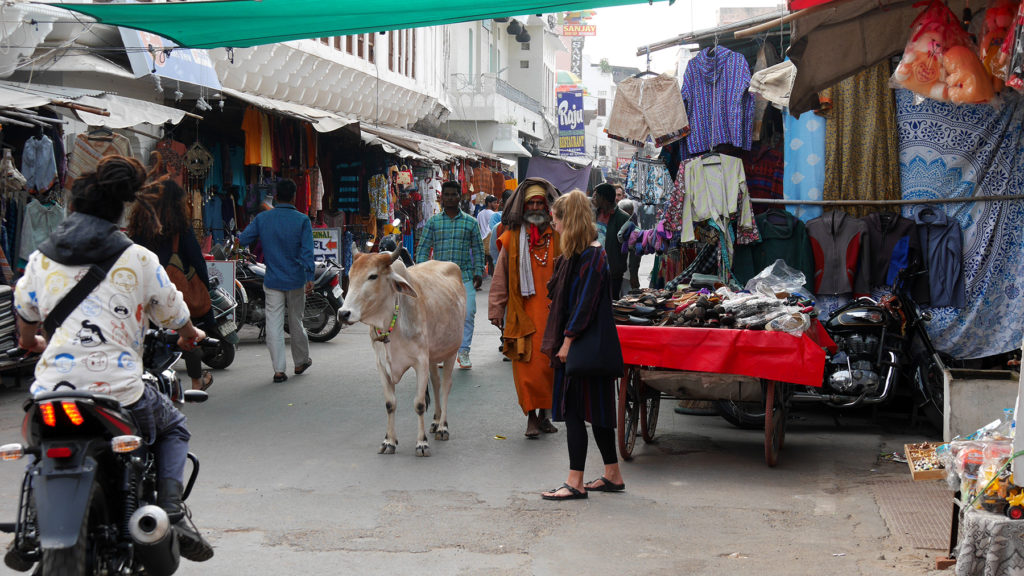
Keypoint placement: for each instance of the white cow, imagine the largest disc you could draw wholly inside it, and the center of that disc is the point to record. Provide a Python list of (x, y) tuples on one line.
[(416, 316)]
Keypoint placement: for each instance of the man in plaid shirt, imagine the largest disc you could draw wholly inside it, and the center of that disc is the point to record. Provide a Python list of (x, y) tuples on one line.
[(454, 236)]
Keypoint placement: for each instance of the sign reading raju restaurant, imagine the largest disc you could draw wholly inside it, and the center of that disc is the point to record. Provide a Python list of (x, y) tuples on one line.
[(570, 124)]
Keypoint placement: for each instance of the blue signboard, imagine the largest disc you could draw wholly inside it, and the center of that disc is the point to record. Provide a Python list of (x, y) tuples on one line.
[(152, 54), (570, 124)]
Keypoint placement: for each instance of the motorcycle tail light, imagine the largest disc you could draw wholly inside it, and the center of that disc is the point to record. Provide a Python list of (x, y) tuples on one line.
[(11, 451), (49, 414), (125, 444), (334, 281), (58, 452), (71, 409)]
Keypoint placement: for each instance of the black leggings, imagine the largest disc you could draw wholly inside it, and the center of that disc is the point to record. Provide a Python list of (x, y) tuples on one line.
[(576, 434)]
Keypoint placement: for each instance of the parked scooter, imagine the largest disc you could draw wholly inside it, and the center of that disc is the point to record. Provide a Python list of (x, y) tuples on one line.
[(882, 351), (222, 303), (320, 314), (87, 503)]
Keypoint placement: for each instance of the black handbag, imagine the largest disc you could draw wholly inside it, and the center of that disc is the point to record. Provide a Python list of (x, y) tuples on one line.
[(596, 353)]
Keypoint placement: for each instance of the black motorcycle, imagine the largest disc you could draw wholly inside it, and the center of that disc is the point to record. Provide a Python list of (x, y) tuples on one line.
[(882, 351), (320, 315), (223, 305), (88, 500)]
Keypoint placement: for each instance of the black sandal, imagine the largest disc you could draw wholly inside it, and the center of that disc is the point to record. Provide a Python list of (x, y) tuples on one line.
[(206, 381), (573, 494), (280, 377), (606, 486)]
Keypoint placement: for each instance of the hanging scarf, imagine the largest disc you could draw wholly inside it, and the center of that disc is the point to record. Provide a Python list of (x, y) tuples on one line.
[(526, 287)]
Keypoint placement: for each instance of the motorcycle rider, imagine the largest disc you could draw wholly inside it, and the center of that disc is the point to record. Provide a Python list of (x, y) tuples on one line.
[(98, 347)]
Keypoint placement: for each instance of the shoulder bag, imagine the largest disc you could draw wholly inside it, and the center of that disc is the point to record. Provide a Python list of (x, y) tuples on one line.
[(191, 286)]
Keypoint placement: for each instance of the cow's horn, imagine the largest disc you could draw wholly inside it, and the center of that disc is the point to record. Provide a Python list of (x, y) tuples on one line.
[(396, 254)]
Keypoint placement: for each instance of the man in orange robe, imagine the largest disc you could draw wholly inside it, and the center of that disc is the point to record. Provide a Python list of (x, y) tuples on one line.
[(518, 302)]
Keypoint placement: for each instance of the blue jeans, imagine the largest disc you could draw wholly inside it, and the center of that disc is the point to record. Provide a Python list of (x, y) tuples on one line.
[(162, 427), (467, 330)]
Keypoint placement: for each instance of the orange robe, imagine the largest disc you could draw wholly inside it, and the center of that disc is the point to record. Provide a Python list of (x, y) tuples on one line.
[(533, 376)]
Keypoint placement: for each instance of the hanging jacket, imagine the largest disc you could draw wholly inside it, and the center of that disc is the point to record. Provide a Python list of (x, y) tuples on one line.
[(783, 236), (841, 256), (893, 244), (942, 245)]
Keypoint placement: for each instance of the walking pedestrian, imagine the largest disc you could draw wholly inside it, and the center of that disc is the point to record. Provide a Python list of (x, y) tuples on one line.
[(609, 221), (579, 298), (286, 236), (529, 247), (158, 221), (454, 236)]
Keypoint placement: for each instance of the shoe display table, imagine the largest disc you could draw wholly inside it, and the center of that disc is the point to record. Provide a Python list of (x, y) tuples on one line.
[(713, 364)]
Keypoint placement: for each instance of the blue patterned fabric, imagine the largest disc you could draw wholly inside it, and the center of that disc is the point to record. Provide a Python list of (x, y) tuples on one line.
[(804, 168), (956, 151)]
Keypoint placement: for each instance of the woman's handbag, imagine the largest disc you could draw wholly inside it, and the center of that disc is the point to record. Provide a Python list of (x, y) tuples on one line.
[(191, 286), (596, 352)]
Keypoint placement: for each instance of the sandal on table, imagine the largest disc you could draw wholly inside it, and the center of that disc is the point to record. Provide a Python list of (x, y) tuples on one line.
[(606, 486), (573, 494)]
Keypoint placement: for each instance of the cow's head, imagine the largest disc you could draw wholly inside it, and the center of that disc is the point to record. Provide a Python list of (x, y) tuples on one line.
[(373, 285)]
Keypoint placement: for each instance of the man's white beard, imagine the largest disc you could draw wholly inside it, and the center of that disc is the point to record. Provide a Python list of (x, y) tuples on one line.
[(537, 218)]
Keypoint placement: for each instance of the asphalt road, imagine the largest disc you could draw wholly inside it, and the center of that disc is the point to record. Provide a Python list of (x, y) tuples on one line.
[(291, 483)]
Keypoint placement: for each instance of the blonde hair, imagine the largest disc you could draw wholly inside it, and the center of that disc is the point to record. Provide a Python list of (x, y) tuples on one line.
[(578, 226)]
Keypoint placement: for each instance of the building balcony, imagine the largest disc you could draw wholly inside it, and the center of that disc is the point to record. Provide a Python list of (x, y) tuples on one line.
[(487, 98)]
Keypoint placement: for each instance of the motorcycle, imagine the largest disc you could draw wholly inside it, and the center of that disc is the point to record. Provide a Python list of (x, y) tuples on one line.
[(222, 303), (319, 316), (882, 351), (87, 503), (392, 240)]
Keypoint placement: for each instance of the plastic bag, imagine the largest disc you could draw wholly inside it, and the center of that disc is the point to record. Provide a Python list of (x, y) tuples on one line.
[(996, 37), (938, 61), (777, 279), (1012, 53)]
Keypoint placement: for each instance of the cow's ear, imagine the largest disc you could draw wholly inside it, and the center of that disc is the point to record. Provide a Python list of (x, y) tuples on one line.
[(357, 256), (402, 286)]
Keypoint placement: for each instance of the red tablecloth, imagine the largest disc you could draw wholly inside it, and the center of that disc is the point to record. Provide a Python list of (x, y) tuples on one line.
[(772, 355)]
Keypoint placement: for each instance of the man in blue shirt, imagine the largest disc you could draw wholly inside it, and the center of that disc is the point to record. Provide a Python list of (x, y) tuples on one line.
[(454, 236), (287, 239)]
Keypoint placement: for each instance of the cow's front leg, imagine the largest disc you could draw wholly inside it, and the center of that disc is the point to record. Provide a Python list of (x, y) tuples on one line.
[(422, 446), (390, 404)]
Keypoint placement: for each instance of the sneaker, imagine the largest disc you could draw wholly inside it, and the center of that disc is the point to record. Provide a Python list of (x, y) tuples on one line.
[(463, 359)]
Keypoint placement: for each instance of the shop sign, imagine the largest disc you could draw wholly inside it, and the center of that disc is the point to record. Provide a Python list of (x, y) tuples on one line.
[(152, 54), (570, 124), (579, 30), (327, 244), (576, 56)]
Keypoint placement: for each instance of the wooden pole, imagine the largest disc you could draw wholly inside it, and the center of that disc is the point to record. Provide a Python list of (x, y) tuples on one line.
[(958, 200), (82, 107)]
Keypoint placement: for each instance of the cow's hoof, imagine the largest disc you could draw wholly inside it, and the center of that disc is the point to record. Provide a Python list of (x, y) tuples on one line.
[(386, 448), (423, 449), (441, 434), (433, 427)]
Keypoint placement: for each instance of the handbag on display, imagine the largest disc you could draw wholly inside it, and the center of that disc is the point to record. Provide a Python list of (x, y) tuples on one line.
[(191, 286), (596, 352)]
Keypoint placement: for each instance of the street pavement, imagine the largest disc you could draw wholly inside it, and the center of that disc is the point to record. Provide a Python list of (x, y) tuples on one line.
[(291, 483)]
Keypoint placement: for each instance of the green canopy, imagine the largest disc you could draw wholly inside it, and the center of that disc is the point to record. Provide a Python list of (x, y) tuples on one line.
[(243, 23)]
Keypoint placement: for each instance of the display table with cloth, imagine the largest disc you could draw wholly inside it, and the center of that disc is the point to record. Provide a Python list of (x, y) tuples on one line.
[(990, 545), (758, 365)]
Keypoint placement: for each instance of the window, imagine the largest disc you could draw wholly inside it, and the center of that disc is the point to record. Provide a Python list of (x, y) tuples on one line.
[(348, 44), (494, 58), (524, 63), (525, 47), (372, 56), (361, 43), (602, 151), (601, 107), (412, 74), (391, 50), (471, 55)]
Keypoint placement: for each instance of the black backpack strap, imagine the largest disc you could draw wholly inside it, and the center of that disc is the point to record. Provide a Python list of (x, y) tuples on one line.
[(71, 300)]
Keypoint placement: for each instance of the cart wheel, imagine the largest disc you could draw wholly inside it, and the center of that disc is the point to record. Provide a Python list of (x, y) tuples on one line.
[(628, 413), (649, 409), (774, 421)]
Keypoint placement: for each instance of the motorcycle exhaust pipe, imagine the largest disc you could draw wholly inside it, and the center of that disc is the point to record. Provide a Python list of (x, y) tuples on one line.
[(156, 544), (843, 401)]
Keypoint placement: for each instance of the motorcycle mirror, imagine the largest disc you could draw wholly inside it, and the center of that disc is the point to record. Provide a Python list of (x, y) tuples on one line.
[(196, 396), (396, 222)]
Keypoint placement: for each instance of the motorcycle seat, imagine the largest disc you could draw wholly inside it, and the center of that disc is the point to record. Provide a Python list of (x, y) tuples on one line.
[(259, 270), (101, 399)]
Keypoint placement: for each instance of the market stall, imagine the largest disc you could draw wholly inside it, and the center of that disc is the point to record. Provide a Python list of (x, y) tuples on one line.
[(761, 363)]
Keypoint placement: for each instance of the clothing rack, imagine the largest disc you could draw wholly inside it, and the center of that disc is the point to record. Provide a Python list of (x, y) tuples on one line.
[(888, 202)]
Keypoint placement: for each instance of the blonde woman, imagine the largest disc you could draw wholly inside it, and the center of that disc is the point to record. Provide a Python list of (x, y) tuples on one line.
[(579, 293)]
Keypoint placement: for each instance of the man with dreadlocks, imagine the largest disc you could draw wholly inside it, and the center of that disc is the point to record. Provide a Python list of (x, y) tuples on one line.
[(518, 302)]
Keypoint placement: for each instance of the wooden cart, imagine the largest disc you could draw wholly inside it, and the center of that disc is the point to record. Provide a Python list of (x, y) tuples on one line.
[(711, 364)]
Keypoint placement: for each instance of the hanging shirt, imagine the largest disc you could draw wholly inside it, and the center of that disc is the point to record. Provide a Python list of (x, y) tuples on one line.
[(88, 150), (804, 169), (38, 165), (379, 197), (716, 188), (841, 255), (715, 91), (893, 244), (39, 222)]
